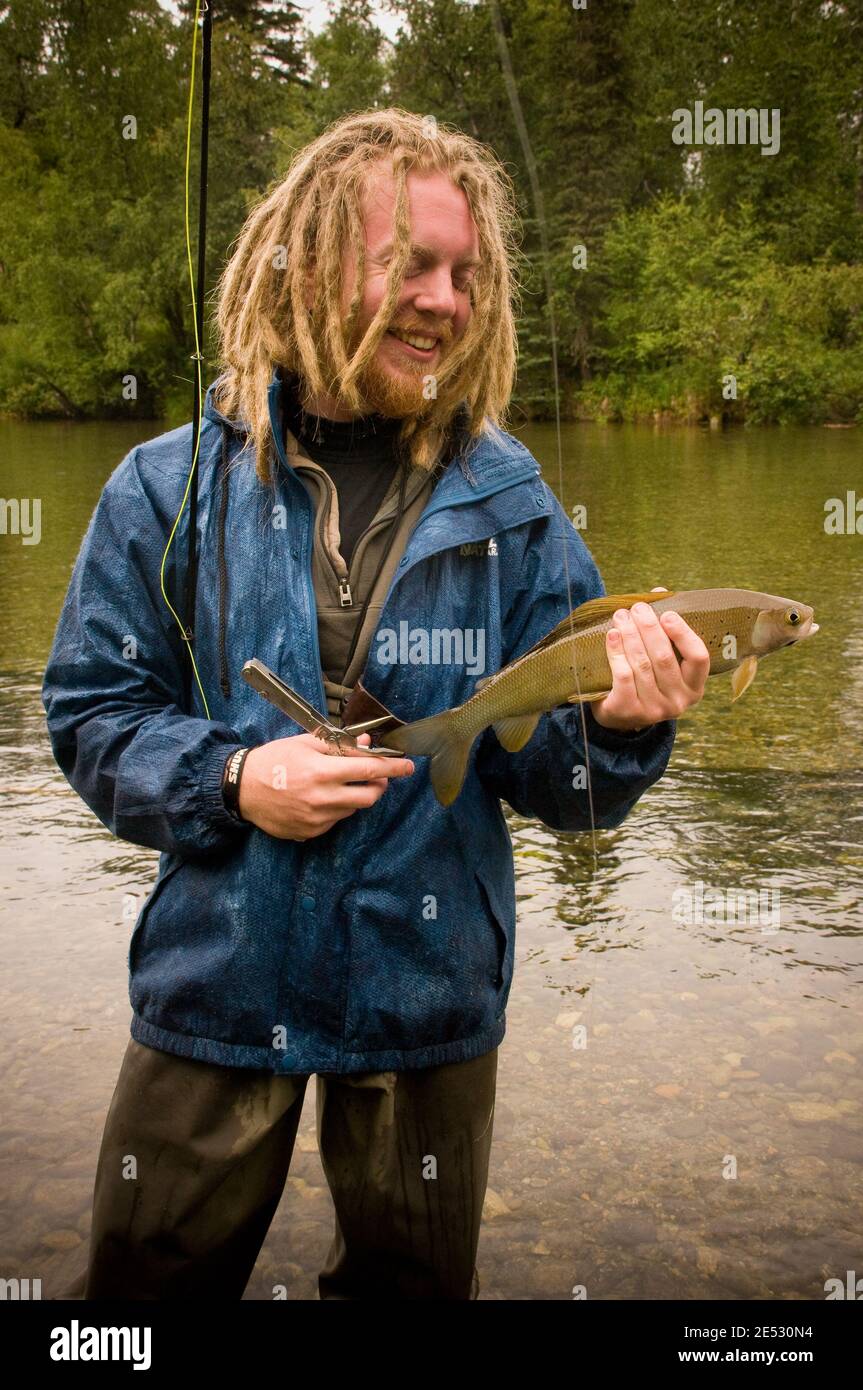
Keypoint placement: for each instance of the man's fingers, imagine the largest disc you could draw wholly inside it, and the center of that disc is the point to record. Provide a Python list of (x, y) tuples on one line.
[(342, 765), (637, 655), (355, 765), (695, 665), (663, 660), (343, 801), (621, 672)]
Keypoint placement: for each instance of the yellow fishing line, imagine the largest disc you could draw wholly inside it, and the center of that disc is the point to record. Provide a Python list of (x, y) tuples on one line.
[(198, 366)]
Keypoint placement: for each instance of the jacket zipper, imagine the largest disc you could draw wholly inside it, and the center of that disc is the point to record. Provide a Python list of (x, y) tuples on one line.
[(341, 571)]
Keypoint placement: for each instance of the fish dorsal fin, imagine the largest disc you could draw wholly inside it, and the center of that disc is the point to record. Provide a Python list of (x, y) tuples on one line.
[(596, 610)]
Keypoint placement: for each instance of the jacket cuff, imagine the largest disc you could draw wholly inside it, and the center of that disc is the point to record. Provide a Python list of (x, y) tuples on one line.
[(616, 739), (214, 810)]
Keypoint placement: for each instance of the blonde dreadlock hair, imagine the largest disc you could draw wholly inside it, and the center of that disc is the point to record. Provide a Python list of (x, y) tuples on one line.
[(304, 224)]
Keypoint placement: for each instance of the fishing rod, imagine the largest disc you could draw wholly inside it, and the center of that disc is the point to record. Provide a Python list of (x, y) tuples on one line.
[(187, 628)]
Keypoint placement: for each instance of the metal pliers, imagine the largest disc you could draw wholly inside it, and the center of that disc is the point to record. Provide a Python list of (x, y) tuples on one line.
[(268, 684)]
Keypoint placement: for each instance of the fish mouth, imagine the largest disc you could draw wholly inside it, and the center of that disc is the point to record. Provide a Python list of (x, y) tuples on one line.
[(808, 631)]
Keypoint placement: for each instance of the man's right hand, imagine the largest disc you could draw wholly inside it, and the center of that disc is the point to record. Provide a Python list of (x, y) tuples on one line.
[(294, 789)]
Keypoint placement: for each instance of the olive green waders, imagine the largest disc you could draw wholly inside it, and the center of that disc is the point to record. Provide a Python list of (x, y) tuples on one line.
[(194, 1159)]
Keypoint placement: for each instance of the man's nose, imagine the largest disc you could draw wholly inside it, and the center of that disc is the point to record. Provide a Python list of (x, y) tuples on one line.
[(435, 294)]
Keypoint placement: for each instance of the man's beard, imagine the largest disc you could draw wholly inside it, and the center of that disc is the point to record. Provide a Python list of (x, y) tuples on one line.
[(394, 394)]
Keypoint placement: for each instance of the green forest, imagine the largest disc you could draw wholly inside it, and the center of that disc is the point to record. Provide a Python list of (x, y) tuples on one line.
[(714, 280)]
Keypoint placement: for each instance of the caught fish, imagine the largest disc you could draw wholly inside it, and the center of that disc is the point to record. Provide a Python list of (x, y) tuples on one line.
[(738, 626)]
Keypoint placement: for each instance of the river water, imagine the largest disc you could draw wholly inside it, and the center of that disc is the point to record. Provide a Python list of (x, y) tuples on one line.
[(705, 1141)]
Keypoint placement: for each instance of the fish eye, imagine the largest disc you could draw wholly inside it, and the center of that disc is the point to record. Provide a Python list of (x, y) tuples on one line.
[(793, 617)]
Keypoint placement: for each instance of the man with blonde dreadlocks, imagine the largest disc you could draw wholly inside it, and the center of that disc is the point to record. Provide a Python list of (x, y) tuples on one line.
[(319, 913)]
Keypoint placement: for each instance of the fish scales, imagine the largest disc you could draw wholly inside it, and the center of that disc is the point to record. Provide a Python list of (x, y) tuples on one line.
[(537, 681), (570, 663)]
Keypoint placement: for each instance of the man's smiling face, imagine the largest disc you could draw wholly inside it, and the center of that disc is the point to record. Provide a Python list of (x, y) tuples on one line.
[(434, 305)]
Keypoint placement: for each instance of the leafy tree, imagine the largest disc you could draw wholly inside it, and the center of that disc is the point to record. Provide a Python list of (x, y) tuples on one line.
[(274, 28), (700, 263)]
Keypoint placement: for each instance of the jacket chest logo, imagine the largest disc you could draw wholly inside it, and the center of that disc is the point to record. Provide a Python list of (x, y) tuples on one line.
[(488, 547)]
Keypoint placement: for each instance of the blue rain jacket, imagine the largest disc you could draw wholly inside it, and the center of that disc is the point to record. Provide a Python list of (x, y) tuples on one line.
[(388, 942)]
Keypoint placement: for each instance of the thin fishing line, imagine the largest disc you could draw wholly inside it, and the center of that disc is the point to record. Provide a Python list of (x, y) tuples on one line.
[(539, 205), (187, 637)]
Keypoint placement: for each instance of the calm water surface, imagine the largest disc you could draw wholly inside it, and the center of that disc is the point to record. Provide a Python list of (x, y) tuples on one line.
[(715, 1048)]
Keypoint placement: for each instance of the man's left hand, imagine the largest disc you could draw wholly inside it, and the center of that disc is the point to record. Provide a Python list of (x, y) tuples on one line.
[(648, 682)]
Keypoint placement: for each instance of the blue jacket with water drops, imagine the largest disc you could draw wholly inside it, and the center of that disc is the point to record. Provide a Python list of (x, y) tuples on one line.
[(388, 942)]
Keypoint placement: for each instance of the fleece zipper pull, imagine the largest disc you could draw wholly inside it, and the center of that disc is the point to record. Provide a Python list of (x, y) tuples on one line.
[(345, 598)]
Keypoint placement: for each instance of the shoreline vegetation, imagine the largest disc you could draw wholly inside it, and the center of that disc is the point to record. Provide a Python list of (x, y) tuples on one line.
[(695, 281), (657, 418)]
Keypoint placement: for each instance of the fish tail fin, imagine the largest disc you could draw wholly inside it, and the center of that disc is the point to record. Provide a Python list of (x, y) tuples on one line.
[(436, 738)]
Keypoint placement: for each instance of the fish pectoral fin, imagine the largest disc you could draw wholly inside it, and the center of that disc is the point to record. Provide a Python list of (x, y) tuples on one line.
[(586, 696), (742, 676), (515, 732)]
